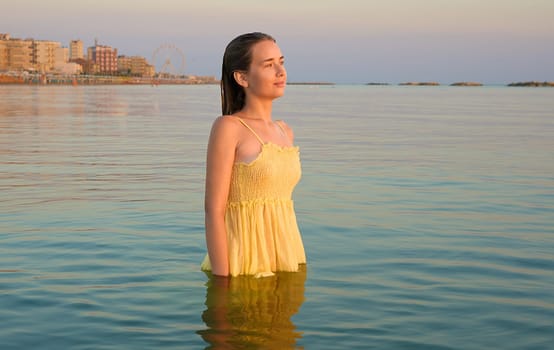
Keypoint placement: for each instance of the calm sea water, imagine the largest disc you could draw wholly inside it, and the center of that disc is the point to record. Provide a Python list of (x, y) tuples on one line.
[(427, 214)]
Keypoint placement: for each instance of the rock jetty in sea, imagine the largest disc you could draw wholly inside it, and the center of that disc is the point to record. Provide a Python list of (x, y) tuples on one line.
[(418, 83), (377, 84), (466, 83), (534, 84)]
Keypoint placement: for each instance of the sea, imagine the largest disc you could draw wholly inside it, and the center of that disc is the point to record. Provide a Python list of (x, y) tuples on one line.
[(427, 214)]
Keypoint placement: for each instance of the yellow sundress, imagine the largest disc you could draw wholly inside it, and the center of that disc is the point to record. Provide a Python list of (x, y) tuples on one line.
[(262, 233)]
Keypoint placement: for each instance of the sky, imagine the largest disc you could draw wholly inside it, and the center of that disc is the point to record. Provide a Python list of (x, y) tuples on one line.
[(340, 41)]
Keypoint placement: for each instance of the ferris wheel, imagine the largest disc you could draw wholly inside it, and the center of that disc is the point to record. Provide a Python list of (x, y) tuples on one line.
[(169, 61)]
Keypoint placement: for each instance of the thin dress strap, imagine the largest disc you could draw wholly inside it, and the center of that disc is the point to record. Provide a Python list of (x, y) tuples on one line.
[(252, 130), (281, 127)]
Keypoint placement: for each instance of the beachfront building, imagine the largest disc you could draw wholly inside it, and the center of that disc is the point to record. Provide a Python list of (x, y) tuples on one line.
[(15, 54), (134, 65), (61, 55), (4, 37), (76, 49), (28, 55), (44, 55), (4, 51), (103, 59), (149, 71), (69, 68), (3, 55), (62, 64)]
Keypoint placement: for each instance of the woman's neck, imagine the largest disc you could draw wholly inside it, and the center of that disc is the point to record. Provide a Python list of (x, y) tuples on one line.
[(260, 111)]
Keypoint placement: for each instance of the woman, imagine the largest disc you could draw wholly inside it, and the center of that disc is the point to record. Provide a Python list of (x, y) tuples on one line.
[(252, 168)]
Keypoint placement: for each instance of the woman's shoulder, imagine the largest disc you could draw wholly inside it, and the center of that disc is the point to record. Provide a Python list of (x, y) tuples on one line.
[(226, 131), (227, 120), (226, 124)]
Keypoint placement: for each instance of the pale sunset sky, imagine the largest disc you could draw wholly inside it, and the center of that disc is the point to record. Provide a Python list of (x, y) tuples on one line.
[(341, 41)]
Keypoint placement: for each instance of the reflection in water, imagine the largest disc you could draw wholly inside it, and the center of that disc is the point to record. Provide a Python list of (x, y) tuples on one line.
[(247, 312), (64, 101)]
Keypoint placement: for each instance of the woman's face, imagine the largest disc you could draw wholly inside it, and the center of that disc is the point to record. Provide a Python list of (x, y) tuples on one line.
[(266, 76)]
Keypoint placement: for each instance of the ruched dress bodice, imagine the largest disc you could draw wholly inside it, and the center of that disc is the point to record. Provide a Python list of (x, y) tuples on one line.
[(262, 232), (272, 175)]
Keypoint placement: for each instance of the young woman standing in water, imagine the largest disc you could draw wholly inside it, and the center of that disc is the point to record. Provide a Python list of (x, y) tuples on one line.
[(252, 168)]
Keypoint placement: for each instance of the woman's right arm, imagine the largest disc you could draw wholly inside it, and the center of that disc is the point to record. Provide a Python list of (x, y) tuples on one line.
[(219, 163)]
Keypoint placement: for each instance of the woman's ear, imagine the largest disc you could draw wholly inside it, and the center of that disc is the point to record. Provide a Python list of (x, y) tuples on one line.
[(240, 78)]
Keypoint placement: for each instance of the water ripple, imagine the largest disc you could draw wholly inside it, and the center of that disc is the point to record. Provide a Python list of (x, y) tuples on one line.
[(426, 215)]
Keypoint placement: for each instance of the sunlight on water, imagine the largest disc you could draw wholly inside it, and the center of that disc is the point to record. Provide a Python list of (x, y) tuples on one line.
[(427, 215)]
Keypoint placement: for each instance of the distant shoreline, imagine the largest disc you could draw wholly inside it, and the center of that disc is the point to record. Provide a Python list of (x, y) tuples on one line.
[(35, 79)]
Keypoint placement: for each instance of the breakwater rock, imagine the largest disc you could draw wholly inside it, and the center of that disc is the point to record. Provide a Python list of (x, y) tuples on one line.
[(466, 83), (533, 84), (417, 83)]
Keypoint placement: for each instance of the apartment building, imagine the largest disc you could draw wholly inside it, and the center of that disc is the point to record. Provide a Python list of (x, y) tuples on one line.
[(44, 55), (103, 59), (76, 50), (28, 54), (135, 66), (3, 51), (15, 54)]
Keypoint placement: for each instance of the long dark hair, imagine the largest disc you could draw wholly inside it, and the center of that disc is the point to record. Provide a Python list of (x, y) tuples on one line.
[(237, 57)]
